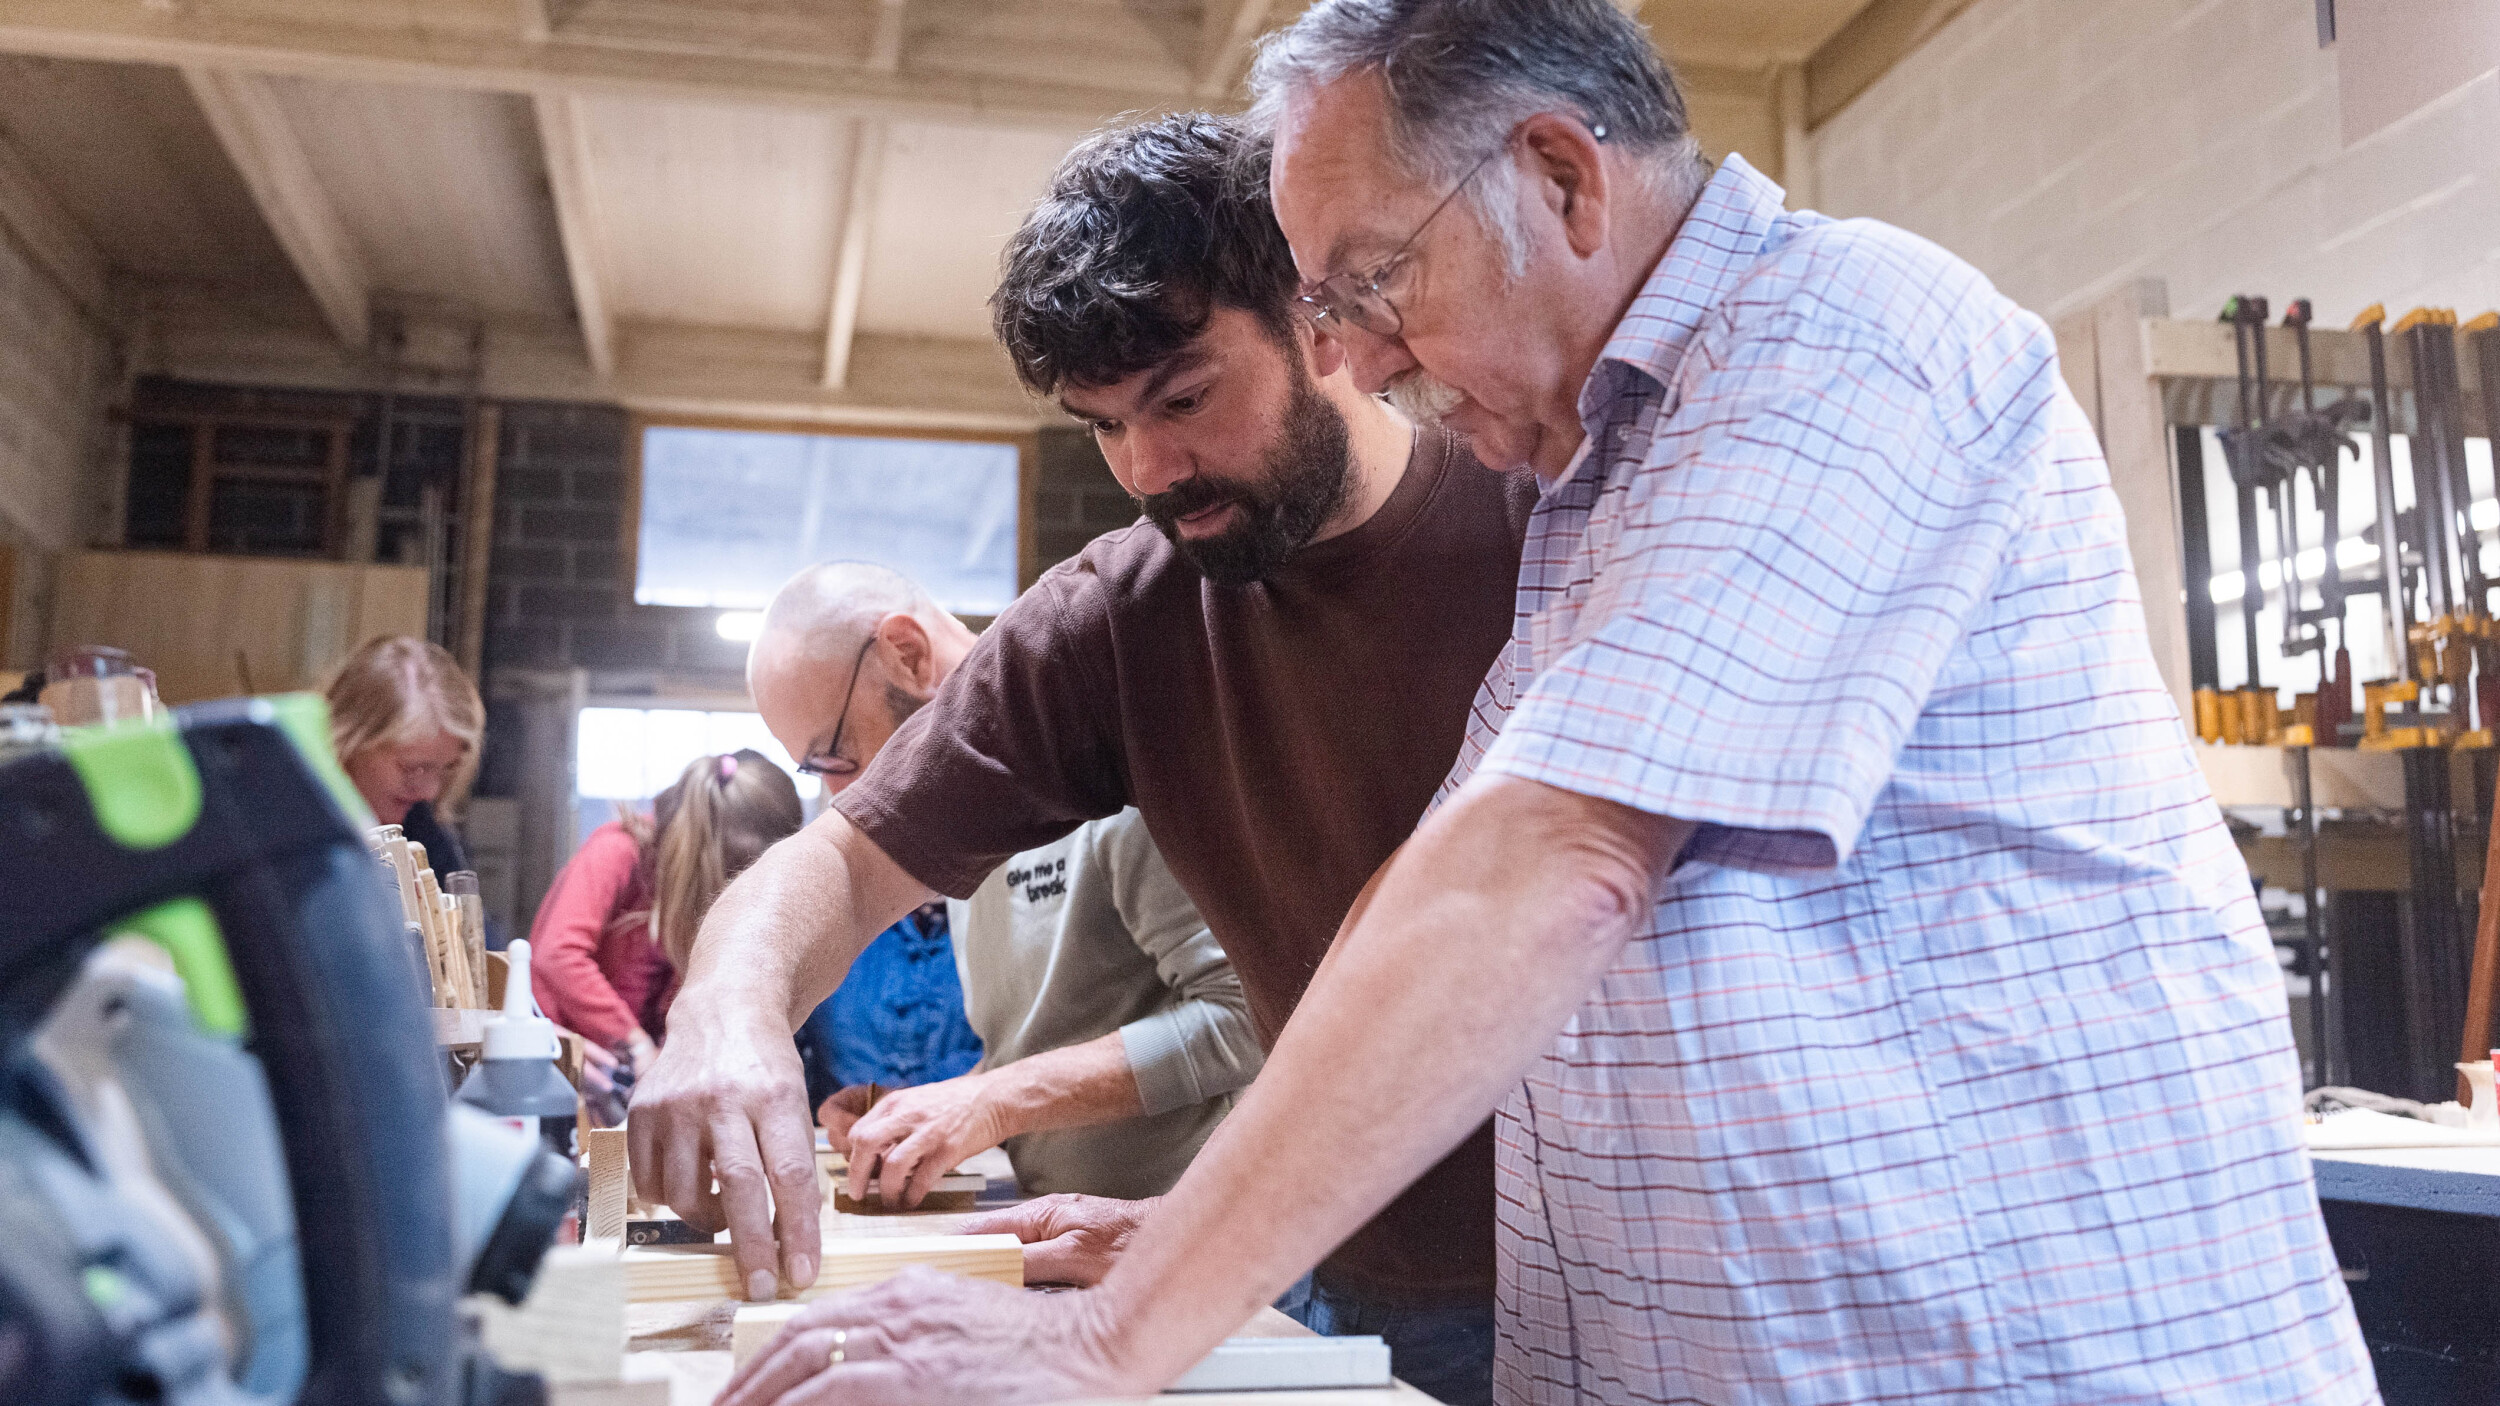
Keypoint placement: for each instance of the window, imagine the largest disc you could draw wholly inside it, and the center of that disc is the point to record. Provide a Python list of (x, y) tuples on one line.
[(727, 515), (625, 756)]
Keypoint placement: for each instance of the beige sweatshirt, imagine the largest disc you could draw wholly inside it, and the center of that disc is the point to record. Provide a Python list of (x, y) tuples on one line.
[(1085, 936)]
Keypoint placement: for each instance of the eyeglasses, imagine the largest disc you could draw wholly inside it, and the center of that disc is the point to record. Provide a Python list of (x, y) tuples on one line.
[(1357, 299), (830, 761)]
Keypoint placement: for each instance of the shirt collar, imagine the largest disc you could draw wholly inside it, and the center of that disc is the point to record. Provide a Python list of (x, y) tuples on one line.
[(1712, 250)]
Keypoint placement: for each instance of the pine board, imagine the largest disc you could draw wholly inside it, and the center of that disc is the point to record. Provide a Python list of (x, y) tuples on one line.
[(657, 1273)]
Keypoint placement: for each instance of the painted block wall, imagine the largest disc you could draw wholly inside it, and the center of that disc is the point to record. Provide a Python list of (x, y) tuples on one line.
[(58, 370), (2068, 146)]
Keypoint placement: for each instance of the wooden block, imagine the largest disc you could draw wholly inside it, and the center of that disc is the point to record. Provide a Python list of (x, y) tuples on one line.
[(611, 1180), (954, 1192), (459, 1031), (657, 1273), (756, 1325), (572, 1326), (497, 970)]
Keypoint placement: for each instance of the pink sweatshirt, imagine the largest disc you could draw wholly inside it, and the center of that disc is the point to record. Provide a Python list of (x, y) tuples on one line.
[(593, 965)]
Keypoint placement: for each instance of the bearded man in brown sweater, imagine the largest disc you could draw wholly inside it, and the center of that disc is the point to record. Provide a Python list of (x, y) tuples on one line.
[(1275, 668)]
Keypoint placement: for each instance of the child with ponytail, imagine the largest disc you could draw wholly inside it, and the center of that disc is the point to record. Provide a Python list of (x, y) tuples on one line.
[(612, 936)]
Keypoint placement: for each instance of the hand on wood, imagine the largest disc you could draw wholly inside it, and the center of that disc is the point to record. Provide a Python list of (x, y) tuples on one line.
[(915, 1136), (1068, 1239), (726, 1102), (926, 1337)]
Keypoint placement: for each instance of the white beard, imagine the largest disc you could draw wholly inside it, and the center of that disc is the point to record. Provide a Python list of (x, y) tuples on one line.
[(1422, 399)]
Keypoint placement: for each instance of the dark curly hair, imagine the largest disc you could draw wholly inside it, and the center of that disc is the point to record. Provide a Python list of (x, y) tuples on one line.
[(1146, 231)]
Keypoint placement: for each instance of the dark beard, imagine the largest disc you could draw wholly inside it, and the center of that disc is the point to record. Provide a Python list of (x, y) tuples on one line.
[(1309, 474)]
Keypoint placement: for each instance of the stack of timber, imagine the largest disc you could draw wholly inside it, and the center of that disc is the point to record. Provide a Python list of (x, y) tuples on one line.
[(451, 924)]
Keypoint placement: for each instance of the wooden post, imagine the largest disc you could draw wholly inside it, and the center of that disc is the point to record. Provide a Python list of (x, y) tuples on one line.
[(477, 533), (2485, 973), (2135, 438)]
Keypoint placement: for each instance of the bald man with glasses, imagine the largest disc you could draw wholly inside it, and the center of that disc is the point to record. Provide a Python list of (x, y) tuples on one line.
[(832, 697), (1114, 1031)]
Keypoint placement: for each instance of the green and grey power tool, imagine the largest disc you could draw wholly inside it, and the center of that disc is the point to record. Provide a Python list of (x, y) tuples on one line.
[(238, 1181)]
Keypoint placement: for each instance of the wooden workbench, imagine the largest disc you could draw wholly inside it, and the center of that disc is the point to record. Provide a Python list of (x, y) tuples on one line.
[(687, 1344)]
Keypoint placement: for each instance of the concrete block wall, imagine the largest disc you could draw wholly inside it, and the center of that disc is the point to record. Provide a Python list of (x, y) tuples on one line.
[(557, 592), (58, 372), (1075, 501), (2066, 147)]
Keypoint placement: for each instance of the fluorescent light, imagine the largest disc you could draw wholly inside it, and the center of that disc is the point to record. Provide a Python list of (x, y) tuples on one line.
[(741, 626)]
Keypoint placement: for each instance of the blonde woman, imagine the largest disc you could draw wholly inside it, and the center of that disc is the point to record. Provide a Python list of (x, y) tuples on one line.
[(405, 722), (613, 932)]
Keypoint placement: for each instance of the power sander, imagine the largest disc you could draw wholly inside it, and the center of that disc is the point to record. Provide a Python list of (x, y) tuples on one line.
[(229, 1168)]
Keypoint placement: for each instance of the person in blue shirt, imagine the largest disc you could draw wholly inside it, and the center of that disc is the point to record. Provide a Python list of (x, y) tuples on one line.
[(897, 1019)]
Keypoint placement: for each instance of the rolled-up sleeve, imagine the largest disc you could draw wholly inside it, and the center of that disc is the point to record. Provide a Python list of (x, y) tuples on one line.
[(1803, 547), (1203, 1045)]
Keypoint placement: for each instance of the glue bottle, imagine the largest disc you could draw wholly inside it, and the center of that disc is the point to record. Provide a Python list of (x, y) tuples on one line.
[(517, 1078)]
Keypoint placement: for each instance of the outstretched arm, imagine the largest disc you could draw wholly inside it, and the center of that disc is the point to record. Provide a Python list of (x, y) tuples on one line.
[(726, 1101), (1485, 934)]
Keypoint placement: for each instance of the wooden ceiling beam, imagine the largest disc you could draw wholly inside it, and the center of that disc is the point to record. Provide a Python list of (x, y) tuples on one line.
[(1866, 48), (579, 226), (1232, 27), (885, 47), (50, 235), (897, 381), (319, 40), (850, 264), (244, 111)]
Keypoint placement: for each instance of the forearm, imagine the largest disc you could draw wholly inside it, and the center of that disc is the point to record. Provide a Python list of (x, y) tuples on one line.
[(782, 934), (1485, 936), (1072, 1087)]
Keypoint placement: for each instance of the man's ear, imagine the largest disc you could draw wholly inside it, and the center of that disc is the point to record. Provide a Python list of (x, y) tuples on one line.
[(1569, 169), (909, 655), (1320, 350)]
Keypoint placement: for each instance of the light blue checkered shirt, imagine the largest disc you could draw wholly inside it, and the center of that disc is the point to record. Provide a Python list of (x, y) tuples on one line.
[(1954, 1065)]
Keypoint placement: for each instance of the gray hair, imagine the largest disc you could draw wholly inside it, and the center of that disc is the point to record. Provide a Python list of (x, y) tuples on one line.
[(1462, 74)]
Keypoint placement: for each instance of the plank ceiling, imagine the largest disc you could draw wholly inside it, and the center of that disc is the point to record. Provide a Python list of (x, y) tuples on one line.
[(827, 178)]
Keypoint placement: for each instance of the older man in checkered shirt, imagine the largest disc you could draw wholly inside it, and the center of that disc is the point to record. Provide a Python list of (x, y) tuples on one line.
[(1874, 1004)]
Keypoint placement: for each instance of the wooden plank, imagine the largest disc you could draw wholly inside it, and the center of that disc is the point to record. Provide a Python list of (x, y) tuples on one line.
[(661, 1273), (1866, 48), (50, 234), (572, 1326), (850, 267), (244, 110), (459, 1031), (188, 616), (611, 1182), (1228, 30), (349, 43), (2198, 363), (580, 224)]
